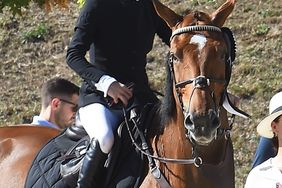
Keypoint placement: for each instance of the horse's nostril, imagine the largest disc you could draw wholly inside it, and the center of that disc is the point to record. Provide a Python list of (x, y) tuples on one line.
[(188, 122)]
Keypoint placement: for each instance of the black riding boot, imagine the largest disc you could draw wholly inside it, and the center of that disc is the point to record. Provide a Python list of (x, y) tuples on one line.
[(93, 163)]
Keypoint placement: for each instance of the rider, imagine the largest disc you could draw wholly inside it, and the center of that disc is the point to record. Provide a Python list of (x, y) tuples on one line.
[(59, 98), (118, 35)]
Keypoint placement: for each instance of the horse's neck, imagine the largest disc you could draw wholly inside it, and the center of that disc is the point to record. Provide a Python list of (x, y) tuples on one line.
[(173, 141)]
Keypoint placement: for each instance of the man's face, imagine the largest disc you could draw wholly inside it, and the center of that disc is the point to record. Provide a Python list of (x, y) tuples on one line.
[(65, 113)]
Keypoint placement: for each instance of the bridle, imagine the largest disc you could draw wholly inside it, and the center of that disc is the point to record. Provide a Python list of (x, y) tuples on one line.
[(191, 28), (198, 82)]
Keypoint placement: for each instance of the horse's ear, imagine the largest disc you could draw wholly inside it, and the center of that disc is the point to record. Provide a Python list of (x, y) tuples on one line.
[(168, 15), (221, 14)]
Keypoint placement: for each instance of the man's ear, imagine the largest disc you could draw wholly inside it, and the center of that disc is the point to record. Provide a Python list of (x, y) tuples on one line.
[(55, 103)]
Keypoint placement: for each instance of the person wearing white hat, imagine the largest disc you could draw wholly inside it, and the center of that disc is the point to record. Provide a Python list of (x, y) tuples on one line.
[(269, 173), (265, 148)]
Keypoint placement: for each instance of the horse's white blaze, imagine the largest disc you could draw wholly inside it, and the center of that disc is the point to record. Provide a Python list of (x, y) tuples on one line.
[(200, 40)]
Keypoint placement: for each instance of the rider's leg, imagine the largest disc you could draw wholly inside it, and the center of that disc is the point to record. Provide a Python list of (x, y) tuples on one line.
[(99, 122)]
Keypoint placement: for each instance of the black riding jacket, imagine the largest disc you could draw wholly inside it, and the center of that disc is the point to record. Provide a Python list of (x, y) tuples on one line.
[(118, 35)]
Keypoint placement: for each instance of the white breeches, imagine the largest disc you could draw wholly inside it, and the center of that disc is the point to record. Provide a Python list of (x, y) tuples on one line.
[(99, 122)]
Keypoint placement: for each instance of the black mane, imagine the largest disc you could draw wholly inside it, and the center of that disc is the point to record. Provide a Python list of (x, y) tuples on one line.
[(167, 108)]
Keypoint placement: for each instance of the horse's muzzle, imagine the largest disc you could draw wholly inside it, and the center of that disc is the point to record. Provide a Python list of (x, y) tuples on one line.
[(202, 127)]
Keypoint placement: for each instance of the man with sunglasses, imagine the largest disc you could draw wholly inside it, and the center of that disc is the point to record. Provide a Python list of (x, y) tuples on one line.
[(59, 98)]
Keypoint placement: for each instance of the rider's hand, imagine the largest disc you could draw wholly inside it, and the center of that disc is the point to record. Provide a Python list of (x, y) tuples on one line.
[(119, 92)]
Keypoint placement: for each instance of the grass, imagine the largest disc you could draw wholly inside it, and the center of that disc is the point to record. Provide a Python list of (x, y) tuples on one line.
[(36, 34), (256, 75)]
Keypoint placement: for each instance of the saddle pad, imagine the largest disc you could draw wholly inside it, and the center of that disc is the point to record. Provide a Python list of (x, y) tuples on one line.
[(125, 168), (45, 169)]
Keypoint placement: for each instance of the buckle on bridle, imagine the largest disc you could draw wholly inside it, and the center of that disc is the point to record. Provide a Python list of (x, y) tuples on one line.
[(201, 82), (198, 161)]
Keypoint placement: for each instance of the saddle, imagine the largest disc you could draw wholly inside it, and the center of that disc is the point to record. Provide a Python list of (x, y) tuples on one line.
[(58, 163)]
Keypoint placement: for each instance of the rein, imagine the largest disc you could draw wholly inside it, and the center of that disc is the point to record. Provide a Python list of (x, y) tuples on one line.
[(144, 149), (197, 161)]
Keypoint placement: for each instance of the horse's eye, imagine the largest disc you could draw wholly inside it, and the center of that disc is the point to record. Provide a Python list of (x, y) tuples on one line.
[(174, 58)]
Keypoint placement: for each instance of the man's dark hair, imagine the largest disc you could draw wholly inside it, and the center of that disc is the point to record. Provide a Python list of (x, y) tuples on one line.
[(57, 87)]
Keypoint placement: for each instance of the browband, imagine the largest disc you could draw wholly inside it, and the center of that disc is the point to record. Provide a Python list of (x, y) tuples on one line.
[(194, 28)]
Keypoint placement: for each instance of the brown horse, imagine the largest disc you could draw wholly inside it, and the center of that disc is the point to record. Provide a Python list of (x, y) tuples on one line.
[(193, 148), (18, 147)]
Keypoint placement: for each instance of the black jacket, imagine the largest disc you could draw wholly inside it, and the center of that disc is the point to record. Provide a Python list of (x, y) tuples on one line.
[(118, 35)]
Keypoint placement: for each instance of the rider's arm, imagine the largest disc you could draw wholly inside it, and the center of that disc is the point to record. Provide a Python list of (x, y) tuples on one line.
[(83, 37)]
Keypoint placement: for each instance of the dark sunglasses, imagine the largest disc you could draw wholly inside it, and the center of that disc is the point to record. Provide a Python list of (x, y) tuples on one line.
[(75, 106)]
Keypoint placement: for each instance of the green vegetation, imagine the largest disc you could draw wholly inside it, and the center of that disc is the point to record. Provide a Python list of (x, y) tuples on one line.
[(36, 34), (256, 75), (262, 29), (17, 6)]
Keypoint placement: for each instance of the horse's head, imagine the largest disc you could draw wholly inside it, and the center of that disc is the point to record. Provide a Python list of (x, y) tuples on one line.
[(200, 66)]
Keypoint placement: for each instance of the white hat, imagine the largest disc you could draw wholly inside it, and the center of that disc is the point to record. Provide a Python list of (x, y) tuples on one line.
[(275, 109)]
